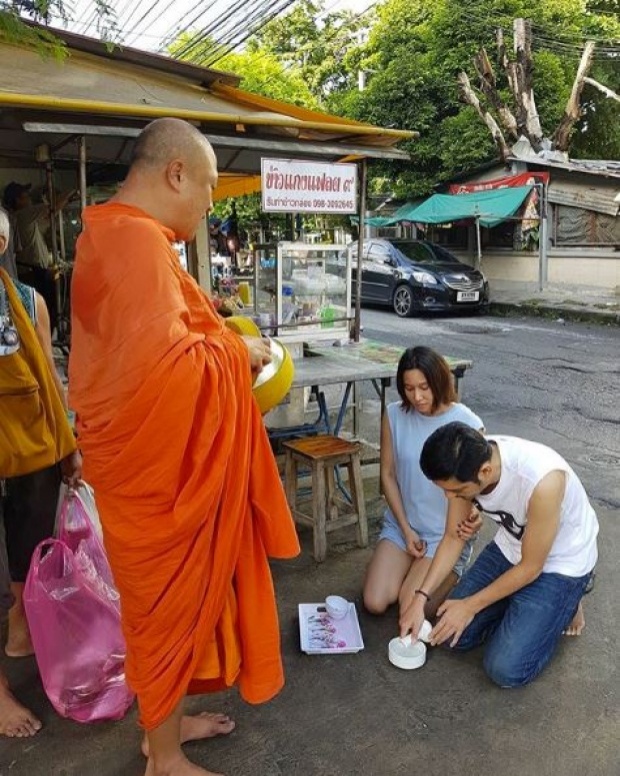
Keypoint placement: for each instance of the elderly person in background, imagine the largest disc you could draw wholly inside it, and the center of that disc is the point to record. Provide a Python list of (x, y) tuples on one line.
[(7, 259), (27, 513)]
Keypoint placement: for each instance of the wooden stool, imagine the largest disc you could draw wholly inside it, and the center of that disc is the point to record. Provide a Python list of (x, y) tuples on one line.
[(329, 510)]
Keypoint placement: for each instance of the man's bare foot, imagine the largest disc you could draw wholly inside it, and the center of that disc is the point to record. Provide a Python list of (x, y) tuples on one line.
[(578, 623), (178, 767), (15, 720), (205, 725)]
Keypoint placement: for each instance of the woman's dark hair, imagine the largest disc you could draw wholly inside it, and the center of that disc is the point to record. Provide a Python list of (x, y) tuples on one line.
[(436, 371), (455, 450)]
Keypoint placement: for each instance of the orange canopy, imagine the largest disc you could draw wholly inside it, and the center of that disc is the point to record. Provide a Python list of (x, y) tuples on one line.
[(190, 498), (236, 186)]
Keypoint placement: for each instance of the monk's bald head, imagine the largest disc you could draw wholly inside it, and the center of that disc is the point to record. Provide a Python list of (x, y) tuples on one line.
[(166, 139), (172, 176)]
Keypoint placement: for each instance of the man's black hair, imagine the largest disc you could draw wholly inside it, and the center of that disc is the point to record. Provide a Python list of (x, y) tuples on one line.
[(455, 450)]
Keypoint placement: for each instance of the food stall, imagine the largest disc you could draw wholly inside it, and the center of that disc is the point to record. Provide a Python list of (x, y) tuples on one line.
[(71, 123), (299, 292)]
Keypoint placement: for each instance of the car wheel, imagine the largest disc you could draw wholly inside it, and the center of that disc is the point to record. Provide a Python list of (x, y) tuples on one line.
[(403, 301)]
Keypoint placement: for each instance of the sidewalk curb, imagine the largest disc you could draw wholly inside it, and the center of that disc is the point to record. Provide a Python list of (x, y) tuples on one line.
[(587, 315)]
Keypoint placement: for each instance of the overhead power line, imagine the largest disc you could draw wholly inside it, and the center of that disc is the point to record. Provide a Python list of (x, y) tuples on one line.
[(244, 18)]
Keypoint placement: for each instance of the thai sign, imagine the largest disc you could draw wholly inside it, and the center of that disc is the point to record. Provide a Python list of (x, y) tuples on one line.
[(523, 179), (293, 186)]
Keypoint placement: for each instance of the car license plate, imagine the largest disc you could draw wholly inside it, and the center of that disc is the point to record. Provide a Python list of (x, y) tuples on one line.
[(467, 296)]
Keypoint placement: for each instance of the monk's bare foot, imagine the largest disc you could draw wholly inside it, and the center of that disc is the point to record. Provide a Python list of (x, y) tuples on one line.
[(578, 623), (205, 725), (15, 720), (180, 766)]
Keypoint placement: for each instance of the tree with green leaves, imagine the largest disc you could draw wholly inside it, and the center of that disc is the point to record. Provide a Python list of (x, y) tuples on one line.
[(413, 56), (261, 70), (410, 53), (322, 46), (15, 15), (604, 6)]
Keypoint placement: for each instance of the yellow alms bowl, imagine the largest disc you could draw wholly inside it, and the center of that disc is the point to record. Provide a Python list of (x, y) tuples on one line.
[(275, 380), (242, 325)]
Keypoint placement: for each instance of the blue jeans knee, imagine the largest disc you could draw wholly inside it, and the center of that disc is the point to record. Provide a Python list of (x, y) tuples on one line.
[(529, 632), (506, 672)]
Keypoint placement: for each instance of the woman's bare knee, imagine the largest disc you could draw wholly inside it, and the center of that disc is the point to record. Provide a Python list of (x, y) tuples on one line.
[(374, 603)]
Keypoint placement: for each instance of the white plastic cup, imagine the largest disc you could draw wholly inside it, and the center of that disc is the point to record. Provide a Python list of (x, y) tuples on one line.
[(425, 632), (337, 607), (423, 635)]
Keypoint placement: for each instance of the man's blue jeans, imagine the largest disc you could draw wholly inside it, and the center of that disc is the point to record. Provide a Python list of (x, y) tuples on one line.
[(520, 632)]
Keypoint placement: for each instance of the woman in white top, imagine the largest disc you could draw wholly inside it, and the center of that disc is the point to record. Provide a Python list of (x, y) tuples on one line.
[(415, 517)]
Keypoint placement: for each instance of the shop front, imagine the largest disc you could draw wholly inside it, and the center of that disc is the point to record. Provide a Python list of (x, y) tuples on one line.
[(71, 124)]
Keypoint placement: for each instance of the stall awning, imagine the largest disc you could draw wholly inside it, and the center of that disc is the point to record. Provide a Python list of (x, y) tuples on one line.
[(405, 211), (108, 96), (491, 207), (376, 221), (236, 186)]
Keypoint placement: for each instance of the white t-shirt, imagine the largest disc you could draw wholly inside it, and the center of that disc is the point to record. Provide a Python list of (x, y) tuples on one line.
[(524, 464)]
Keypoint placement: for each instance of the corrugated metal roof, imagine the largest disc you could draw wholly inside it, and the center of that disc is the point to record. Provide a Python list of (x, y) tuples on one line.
[(133, 56), (86, 77), (551, 160), (605, 166), (601, 199)]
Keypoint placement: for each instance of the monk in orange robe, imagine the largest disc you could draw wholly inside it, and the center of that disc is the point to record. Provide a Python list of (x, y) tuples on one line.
[(173, 442)]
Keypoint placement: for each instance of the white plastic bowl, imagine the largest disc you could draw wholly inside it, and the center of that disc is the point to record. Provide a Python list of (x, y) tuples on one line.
[(407, 654), (337, 606)]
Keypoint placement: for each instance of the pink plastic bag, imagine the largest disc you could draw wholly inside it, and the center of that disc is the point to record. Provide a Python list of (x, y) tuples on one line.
[(74, 617)]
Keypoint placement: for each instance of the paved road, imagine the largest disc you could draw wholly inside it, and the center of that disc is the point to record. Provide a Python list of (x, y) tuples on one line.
[(556, 383), (355, 714)]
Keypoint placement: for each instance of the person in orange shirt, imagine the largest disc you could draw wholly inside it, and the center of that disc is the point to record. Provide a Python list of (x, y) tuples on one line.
[(187, 487)]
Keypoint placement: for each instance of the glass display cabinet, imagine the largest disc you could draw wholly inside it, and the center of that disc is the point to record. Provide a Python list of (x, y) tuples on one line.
[(301, 291)]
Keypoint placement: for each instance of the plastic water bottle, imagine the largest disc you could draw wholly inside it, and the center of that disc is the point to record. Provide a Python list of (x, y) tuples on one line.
[(327, 317)]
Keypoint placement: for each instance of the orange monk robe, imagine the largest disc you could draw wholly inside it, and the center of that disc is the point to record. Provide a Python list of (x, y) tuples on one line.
[(173, 442)]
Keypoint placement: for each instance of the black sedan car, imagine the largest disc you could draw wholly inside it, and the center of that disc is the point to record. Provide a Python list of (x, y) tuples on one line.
[(418, 276)]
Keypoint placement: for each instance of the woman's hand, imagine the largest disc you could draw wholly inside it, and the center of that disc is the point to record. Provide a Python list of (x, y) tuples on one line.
[(260, 352), (412, 616), (415, 546), (467, 529)]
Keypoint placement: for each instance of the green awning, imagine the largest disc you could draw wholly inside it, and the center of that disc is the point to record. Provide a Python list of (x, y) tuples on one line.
[(491, 207), (376, 221), (405, 211)]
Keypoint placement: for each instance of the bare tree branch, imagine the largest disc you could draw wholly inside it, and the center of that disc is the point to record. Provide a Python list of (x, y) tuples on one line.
[(470, 97), (502, 56), (488, 86), (523, 69), (572, 112), (602, 88)]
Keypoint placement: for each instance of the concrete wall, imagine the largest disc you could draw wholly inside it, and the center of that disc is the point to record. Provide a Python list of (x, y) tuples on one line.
[(599, 269)]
